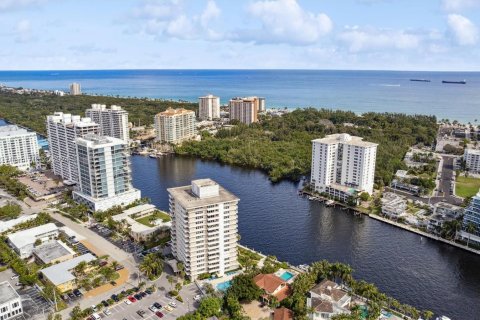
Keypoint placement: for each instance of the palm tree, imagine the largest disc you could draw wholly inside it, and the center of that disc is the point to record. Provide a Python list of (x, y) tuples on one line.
[(470, 228)]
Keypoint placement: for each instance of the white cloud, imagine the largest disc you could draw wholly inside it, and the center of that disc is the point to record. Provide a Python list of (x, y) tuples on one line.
[(23, 31), (6, 5), (458, 5), (370, 39), (464, 31), (286, 21)]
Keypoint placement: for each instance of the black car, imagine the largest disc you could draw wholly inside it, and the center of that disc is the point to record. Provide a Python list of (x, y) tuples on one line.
[(115, 298), (157, 305), (77, 293), (141, 313), (149, 291), (71, 295), (143, 294), (138, 296), (136, 289), (105, 303)]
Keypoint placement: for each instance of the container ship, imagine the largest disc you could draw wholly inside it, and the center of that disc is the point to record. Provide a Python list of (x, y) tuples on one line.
[(420, 80), (455, 82)]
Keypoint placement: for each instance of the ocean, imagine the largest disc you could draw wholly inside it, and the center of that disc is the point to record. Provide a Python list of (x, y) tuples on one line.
[(358, 91)]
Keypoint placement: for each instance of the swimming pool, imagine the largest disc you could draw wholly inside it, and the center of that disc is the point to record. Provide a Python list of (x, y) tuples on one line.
[(287, 276), (223, 286)]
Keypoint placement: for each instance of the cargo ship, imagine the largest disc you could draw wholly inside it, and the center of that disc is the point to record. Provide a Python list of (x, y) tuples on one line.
[(420, 80), (455, 82)]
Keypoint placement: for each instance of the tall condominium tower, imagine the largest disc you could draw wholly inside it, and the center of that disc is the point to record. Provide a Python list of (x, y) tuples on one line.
[(204, 227), (18, 147), (343, 165), (245, 110), (105, 174), (62, 130), (75, 89), (471, 221), (472, 160), (175, 125), (208, 107), (113, 122)]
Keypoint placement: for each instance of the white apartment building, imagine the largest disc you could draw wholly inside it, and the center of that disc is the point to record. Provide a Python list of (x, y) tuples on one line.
[(204, 227), (18, 147), (261, 104), (175, 125), (75, 89), (113, 122), (23, 242), (104, 173), (62, 130), (244, 110), (472, 160), (10, 302), (209, 107), (343, 165)]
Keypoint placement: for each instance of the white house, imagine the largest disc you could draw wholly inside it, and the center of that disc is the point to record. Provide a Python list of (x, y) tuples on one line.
[(327, 299), (23, 242)]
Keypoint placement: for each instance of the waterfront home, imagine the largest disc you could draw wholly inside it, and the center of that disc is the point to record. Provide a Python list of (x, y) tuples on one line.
[(442, 213), (327, 299), (273, 286), (282, 314), (393, 205)]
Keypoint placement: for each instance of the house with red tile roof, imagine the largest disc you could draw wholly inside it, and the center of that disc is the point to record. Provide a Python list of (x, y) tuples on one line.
[(283, 314), (272, 285)]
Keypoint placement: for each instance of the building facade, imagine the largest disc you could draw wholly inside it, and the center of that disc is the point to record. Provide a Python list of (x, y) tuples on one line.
[(343, 165), (104, 173), (175, 125), (62, 130), (472, 160), (18, 147), (75, 89), (204, 227), (113, 122), (10, 302), (209, 107), (23, 242), (244, 110), (471, 218)]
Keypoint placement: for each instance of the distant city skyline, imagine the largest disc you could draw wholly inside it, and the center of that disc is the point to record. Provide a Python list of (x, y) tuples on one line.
[(255, 34)]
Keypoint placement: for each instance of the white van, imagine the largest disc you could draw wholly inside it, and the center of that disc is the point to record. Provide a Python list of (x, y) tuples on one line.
[(96, 316)]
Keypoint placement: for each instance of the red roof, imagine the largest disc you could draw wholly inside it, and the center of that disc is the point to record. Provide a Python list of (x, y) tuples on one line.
[(283, 314)]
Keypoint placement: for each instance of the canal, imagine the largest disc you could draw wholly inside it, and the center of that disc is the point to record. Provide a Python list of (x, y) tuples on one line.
[(274, 220)]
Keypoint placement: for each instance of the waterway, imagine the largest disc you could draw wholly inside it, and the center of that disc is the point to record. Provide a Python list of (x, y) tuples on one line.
[(273, 219)]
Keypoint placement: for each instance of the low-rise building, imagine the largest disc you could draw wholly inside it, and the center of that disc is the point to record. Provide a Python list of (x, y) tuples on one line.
[(10, 302), (23, 242), (472, 160), (52, 252), (282, 313), (273, 286), (10, 224), (393, 205), (61, 276), (327, 299), (138, 230)]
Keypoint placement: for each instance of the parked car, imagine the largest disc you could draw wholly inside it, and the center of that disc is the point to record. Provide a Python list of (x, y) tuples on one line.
[(95, 316), (141, 313), (143, 294), (197, 297), (149, 291), (107, 312), (94, 308), (153, 308), (127, 301), (105, 303), (172, 304), (157, 305), (131, 299), (159, 314), (77, 293), (119, 267), (103, 263), (71, 296), (15, 276), (138, 296), (115, 298), (168, 308)]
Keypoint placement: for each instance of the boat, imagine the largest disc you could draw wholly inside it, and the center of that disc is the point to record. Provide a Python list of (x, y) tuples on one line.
[(311, 198), (420, 80), (329, 203), (152, 155), (455, 82)]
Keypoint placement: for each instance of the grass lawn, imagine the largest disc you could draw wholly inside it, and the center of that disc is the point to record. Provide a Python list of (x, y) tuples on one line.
[(147, 220), (467, 187)]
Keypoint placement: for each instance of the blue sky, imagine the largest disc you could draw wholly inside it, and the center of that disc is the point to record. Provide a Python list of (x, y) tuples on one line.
[(236, 34)]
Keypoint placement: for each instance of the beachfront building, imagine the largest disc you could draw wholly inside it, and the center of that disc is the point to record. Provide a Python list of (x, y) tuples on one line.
[(204, 227), (113, 122), (472, 160), (10, 302), (471, 221), (105, 174), (18, 147), (61, 274), (209, 107), (327, 299), (175, 125), (23, 242), (442, 212), (393, 205), (343, 165), (75, 89), (245, 110), (62, 130)]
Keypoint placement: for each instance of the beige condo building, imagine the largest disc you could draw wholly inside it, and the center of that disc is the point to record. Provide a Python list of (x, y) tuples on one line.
[(175, 125)]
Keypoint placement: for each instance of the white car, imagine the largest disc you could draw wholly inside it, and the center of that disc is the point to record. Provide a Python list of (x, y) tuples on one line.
[(197, 297), (127, 301), (153, 309), (15, 276), (94, 308), (107, 312), (172, 304)]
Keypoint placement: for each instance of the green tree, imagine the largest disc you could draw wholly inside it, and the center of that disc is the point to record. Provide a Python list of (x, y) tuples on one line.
[(210, 306), (243, 288), (152, 266), (76, 313)]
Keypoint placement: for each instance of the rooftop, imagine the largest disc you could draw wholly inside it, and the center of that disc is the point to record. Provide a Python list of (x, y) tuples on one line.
[(9, 224), (7, 293), (187, 199), (345, 138), (94, 140), (52, 250), (268, 282), (103, 107), (283, 314), (329, 288), (12, 131), (29, 236), (60, 273), (175, 112)]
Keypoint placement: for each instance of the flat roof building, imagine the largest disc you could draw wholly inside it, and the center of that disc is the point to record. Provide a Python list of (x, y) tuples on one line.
[(10, 224), (10, 302), (245, 110), (472, 160), (53, 252), (18, 147), (23, 242), (209, 107), (75, 89), (175, 125), (113, 122)]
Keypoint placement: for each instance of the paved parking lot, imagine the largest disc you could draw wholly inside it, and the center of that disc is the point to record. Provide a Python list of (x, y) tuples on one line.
[(126, 245)]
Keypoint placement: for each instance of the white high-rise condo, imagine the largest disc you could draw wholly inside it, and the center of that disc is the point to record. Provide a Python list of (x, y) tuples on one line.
[(343, 165), (472, 160), (204, 227), (62, 130), (75, 89), (113, 122), (105, 174), (246, 110), (208, 107), (18, 147), (175, 125)]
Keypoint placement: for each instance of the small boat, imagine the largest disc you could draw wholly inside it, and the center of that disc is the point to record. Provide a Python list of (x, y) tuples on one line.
[(455, 82), (420, 80), (330, 203), (311, 198), (152, 155)]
